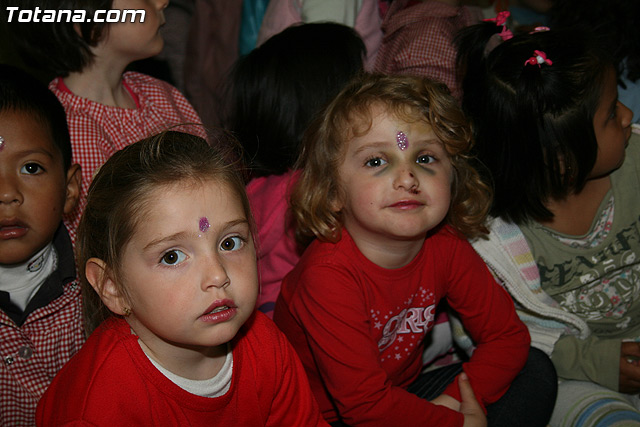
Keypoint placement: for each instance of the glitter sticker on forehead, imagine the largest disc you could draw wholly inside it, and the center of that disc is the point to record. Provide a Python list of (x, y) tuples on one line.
[(1, 143), (402, 140), (204, 224)]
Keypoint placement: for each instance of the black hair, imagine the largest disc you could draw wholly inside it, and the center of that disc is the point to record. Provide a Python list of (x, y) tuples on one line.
[(59, 47), (533, 125), (613, 22), (274, 92), (21, 92)]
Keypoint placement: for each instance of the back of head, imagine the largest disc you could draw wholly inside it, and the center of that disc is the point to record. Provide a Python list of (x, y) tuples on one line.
[(350, 114), (120, 194), (613, 22), (274, 91), (532, 122), (59, 47), (20, 92)]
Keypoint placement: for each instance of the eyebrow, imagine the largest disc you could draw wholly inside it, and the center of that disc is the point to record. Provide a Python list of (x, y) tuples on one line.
[(182, 234), (45, 152)]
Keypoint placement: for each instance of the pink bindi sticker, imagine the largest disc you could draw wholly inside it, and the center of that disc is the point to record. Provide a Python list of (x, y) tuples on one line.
[(1, 143), (402, 140), (204, 224)]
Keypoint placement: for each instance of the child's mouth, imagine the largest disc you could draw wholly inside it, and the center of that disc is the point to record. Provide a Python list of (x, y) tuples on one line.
[(219, 309), (12, 229)]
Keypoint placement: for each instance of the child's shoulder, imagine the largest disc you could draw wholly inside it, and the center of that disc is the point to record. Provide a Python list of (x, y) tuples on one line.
[(629, 172), (260, 343), (341, 253), (145, 84), (153, 93), (90, 373), (633, 148), (259, 328), (447, 235)]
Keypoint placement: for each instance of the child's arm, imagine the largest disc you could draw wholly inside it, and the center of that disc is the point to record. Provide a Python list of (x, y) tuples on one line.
[(337, 328), (487, 312), (608, 362), (293, 403), (591, 359)]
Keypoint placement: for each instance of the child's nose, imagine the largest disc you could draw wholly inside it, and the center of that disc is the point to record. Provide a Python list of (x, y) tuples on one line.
[(406, 179), (626, 115), (162, 4), (9, 191), (215, 274)]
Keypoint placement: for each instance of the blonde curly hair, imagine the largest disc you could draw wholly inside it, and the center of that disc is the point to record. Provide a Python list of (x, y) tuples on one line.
[(349, 115)]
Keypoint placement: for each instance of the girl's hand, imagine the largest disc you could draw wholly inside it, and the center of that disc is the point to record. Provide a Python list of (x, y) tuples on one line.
[(629, 368), (469, 407)]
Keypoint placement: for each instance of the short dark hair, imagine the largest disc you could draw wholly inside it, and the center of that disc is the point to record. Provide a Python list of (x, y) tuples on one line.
[(533, 125), (21, 92), (274, 92), (59, 47)]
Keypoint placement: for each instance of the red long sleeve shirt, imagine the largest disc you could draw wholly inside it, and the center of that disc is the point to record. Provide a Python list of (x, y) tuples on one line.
[(359, 329), (112, 382)]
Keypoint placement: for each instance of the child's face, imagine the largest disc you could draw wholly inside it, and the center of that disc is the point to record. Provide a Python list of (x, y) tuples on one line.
[(394, 193), (612, 125), (34, 189), (190, 268), (132, 41)]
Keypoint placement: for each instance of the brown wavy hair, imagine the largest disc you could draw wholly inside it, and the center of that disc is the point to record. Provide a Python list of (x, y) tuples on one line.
[(349, 115)]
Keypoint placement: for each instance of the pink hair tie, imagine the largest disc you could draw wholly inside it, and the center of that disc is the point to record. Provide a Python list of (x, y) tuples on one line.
[(505, 34), (501, 20), (538, 58)]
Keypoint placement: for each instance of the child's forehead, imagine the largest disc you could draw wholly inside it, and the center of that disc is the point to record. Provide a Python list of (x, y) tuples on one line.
[(362, 120), (23, 131), (190, 187)]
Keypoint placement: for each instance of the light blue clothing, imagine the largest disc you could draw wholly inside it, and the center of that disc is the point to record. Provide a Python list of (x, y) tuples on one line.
[(252, 14), (631, 97)]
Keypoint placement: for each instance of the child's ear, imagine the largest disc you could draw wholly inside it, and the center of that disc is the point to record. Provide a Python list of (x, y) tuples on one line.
[(101, 281), (74, 181), (335, 204)]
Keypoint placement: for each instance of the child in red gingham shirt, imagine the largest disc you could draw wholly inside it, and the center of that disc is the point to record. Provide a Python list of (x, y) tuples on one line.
[(107, 108), (418, 38), (40, 306)]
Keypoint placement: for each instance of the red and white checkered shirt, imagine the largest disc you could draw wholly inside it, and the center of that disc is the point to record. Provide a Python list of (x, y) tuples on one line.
[(34, 353), (418, 39), (97, 130)]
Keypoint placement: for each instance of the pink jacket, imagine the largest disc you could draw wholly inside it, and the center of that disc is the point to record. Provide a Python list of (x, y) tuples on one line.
[(276, 247), (281, 14)]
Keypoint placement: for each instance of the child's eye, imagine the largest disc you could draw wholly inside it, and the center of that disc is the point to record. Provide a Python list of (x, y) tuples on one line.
[(375, 162), (173, 257), (232, 243), (425, 159), (31, 169)]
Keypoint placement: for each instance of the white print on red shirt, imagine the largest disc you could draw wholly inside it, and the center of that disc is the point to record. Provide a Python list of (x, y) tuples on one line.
[(412, 320)]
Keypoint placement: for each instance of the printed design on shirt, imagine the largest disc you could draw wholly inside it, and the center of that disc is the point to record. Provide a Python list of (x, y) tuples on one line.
[(403, 329), (602, 286)]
